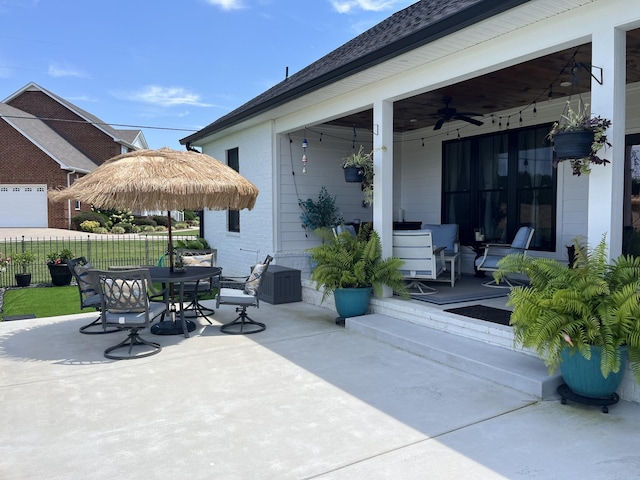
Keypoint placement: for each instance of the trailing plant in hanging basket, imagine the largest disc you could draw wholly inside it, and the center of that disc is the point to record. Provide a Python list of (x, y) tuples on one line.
[(364, 164), (579, 126)]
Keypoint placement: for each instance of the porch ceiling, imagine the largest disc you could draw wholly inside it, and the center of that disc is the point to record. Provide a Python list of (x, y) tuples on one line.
[(510, 88)]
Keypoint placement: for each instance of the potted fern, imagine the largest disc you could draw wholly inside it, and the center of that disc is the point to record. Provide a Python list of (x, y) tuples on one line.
[(584, 319), (351, 267), (578, 137)]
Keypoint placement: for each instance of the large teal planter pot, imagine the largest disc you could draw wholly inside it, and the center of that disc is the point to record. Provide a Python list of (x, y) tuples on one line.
[(352, 302), (584, 377)]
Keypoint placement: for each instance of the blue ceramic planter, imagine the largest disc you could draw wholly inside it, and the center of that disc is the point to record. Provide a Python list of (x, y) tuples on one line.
[(584, 377), (352, 302)]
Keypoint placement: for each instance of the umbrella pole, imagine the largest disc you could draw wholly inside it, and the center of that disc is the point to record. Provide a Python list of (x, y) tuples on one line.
[(170, 247)]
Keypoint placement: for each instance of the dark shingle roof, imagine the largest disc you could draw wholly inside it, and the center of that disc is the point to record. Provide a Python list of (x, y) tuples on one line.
[(419, 24), (89, 117), (46, 139)]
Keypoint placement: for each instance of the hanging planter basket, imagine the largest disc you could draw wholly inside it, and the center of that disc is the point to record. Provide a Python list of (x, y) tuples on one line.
[(573, 144), (353, 174)]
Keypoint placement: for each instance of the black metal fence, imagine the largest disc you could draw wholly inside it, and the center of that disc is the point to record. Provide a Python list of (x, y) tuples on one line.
[(102, 252)]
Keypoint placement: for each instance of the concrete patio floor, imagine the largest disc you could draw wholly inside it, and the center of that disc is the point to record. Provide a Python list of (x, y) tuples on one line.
[(303, 399)]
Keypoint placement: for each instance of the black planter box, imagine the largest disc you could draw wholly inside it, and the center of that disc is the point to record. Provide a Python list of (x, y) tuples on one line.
[(60, 274), (575, 144), (353, 174), (281, 285)]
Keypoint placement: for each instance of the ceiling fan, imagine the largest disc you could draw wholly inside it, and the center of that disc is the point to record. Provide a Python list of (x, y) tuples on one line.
[(449, 113)]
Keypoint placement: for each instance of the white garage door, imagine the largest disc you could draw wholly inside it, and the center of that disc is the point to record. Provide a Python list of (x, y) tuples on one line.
[(23, 206)]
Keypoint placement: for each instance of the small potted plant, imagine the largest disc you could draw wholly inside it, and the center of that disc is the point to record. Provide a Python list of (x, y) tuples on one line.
[(320, 216), (350, 267), (582, 318), (57, 263), (578, 137), (4, 262), (23, 260), (358, 167)]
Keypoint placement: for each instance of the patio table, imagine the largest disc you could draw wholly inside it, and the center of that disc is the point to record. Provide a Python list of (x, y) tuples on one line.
[(165, 276)]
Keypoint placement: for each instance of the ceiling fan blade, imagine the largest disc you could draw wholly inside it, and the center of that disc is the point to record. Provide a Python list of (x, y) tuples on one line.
[(470, 120), (439, 124)]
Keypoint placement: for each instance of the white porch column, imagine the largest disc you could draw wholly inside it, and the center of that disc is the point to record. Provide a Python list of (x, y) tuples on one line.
[(606, 183), (383, 176)]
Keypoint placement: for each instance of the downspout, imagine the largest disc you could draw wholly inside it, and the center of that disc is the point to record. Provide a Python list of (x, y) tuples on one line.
[(72, 172), (201, 212)]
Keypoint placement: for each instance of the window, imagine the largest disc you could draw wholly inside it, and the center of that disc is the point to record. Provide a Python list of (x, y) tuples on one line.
[(631, 210), (233, 216), (499, 182)]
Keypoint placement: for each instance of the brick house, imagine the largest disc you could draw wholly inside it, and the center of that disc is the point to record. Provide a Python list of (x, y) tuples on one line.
[(46, 142)]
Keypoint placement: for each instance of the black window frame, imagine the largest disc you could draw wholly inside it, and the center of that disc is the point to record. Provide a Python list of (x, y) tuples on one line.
[(233, 216), (468, 215)]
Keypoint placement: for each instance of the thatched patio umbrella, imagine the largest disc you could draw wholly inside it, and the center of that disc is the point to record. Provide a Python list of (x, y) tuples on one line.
[(163, 179)]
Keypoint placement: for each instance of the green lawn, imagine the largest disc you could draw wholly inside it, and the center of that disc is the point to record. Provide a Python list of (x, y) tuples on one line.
[(42, 301), (182, 233), (46, 301)]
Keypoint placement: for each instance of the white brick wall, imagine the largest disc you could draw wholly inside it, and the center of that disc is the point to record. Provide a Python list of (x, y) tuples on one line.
[(237, 251)]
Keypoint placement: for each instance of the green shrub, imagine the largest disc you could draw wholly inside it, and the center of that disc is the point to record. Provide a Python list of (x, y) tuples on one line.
[(160, 228), (118, 230), (181, 225), (194, 243), (77, 220), (116, 216), (161, 220), (190, 215), (136, 229), (142, 221), (149, 229), (101, 230), (89, 226), (127, 227)]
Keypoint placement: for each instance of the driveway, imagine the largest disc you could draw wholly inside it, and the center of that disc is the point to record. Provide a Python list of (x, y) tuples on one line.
[(7, 233)]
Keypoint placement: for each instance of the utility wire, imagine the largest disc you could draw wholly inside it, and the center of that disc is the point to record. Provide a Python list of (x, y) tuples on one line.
[(100, 123)]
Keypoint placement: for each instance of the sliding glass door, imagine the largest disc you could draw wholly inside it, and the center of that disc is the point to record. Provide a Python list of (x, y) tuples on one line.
[(497, 183)]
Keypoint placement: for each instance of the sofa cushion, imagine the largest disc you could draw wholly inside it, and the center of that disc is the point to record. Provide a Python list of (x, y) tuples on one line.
[(445, 235)]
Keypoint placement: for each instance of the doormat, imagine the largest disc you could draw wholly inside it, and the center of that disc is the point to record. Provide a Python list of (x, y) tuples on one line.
[(482, 312), (467, 289)]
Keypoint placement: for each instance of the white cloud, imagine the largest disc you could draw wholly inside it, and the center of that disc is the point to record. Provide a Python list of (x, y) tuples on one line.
[(82, 98), (227, 4), (167, 96), (347, 6), (65, 71)]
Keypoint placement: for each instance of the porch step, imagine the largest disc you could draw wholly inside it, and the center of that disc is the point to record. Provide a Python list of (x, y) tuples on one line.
[(510, 368)]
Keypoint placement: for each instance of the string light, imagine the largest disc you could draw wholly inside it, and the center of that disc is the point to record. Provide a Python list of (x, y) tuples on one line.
[(305, 144)]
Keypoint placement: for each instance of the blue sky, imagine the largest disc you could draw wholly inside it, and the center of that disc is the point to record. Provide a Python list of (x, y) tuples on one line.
[(173, 64)]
